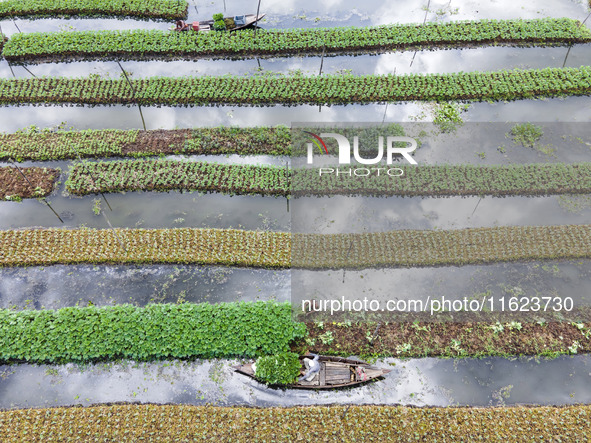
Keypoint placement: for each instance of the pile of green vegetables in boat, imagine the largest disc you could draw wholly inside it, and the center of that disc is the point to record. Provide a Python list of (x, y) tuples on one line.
[(310, 371)]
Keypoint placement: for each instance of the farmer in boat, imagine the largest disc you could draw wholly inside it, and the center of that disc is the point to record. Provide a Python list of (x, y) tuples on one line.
[(182, 26), (312, 366)]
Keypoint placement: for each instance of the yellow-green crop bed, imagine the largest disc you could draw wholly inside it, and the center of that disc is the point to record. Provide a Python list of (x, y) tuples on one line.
[(196, 246), (233, 247), (319, 423), (441, 247)]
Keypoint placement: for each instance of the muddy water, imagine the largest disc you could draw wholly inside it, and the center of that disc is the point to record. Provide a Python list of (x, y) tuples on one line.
[(417, 382)]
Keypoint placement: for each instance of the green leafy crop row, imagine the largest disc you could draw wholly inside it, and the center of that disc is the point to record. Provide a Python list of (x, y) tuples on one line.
[(45, 144), (282, 250), (52, 46), (434, 180), (49, 145), (243, 141), (154, 332), (146, 9), (327, 423), (164, 175), (319, 90), (438, 180)]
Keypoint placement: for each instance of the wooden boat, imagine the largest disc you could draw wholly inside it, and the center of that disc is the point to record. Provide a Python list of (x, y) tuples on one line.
[(240, 21), (335, 372)]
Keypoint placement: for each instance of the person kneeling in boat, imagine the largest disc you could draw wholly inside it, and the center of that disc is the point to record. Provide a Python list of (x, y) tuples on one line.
[(312, 368), (182, 26)]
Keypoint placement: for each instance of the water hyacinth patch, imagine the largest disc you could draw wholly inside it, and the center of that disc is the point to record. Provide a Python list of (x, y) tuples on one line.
[(297, 89), (138, 44)]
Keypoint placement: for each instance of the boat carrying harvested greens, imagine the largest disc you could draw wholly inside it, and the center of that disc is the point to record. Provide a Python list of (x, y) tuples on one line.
[(321, 372)]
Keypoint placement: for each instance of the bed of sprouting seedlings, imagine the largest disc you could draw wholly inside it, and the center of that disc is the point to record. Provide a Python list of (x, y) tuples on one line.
[(42, 144), (299, 89), (138, 44), (141, 9)]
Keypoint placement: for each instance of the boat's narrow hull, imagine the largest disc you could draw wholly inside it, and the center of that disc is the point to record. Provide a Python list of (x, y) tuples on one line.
[(335, 372)]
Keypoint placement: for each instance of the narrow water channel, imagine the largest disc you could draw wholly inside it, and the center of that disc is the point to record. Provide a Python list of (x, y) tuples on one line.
[(59, 286), (417, 382), (153, 210), (13, 118), (424, 61), (54, 287)]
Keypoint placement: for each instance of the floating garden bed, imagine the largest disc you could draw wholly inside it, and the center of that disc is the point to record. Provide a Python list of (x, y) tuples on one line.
[(522, 335), (294, 90), (249, 329), (14, 186), (154, 332), (143, 9), (265, 249), (442, 180), (131, 422), (446, 180), (164, 175), (190, 246), (43, 144), (146, 44), (440, 247)]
